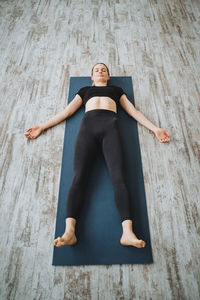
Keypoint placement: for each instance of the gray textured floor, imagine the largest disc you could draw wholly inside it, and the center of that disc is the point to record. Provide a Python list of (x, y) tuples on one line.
[(42, 44)]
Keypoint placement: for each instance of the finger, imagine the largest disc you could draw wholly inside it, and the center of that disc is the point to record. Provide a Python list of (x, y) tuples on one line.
[(29, 129)]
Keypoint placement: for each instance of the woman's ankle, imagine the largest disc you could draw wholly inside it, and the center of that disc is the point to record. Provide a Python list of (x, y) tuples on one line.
[(70, 224), (127, 225)]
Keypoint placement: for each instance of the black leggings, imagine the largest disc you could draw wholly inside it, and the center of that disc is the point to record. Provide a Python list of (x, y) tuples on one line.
[(99, 128)]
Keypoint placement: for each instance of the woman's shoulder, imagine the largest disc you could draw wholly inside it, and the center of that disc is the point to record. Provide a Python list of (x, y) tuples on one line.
[(84, 87), (115, 86), (120, 91)]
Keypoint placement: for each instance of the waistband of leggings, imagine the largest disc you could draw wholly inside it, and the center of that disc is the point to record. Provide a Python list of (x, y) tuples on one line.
[(96, 112)]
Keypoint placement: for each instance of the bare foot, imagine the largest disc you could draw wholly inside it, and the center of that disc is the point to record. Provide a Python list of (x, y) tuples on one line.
[(68, 238), (130, 239)]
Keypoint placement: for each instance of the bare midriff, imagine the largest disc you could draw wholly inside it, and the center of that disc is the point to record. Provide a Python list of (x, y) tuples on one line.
[(101, 103)]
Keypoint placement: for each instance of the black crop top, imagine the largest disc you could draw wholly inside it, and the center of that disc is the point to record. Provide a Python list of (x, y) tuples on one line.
[(112, 91)]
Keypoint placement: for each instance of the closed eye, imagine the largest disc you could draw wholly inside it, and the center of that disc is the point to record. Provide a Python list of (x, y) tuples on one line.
[(101, 69)]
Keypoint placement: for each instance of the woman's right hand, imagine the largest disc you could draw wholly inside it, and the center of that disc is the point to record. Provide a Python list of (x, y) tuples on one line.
[(33, 132)]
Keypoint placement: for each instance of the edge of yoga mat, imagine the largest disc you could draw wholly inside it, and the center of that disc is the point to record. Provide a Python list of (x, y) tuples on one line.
[(98, 228)]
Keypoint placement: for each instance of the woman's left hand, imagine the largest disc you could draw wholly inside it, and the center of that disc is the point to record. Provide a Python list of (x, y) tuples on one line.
[(162, 135)]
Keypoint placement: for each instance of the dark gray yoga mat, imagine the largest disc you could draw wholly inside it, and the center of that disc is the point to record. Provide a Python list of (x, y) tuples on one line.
[(98, 228)]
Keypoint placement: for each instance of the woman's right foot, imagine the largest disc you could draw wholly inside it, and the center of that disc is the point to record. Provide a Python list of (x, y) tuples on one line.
[(68, 238), (130, 239)]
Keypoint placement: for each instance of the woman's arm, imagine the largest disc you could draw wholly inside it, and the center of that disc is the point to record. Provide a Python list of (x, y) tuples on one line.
[(64, 114), (35, 131), (161, 134)]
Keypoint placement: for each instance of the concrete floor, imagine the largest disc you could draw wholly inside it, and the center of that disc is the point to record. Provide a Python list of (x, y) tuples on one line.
[(42, 44)]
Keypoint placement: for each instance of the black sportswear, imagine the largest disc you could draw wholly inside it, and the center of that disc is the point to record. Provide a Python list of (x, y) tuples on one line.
[(99, 129), (112, 91)]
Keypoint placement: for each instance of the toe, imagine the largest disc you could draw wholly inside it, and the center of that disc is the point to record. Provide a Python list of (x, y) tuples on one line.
[(56, 244), (57, 241)]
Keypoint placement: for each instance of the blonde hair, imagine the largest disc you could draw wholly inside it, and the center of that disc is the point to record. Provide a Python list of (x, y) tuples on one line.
[(93, 69)]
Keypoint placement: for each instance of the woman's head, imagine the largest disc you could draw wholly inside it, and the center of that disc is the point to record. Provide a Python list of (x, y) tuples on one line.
[(100, 74)]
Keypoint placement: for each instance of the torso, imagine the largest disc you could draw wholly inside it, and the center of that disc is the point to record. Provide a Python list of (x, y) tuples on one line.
[(101, 102)]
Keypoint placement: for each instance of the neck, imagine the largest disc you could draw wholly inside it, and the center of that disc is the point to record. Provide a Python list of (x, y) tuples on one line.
[(100, 84)]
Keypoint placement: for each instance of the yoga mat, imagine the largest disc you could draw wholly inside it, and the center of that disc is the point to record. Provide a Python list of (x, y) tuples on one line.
[(98, 228)]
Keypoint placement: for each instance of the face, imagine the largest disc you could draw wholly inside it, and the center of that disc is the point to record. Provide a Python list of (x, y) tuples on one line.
[(100, 74)]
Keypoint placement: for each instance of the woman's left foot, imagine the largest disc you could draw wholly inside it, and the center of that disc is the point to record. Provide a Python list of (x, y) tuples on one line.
[(68, 238), (130, 239)]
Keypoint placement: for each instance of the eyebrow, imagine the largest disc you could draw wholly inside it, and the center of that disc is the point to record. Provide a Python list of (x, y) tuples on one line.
[(99, 68)]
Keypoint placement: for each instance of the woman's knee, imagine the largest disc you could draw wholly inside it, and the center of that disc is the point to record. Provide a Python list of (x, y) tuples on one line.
[(79, 178)]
